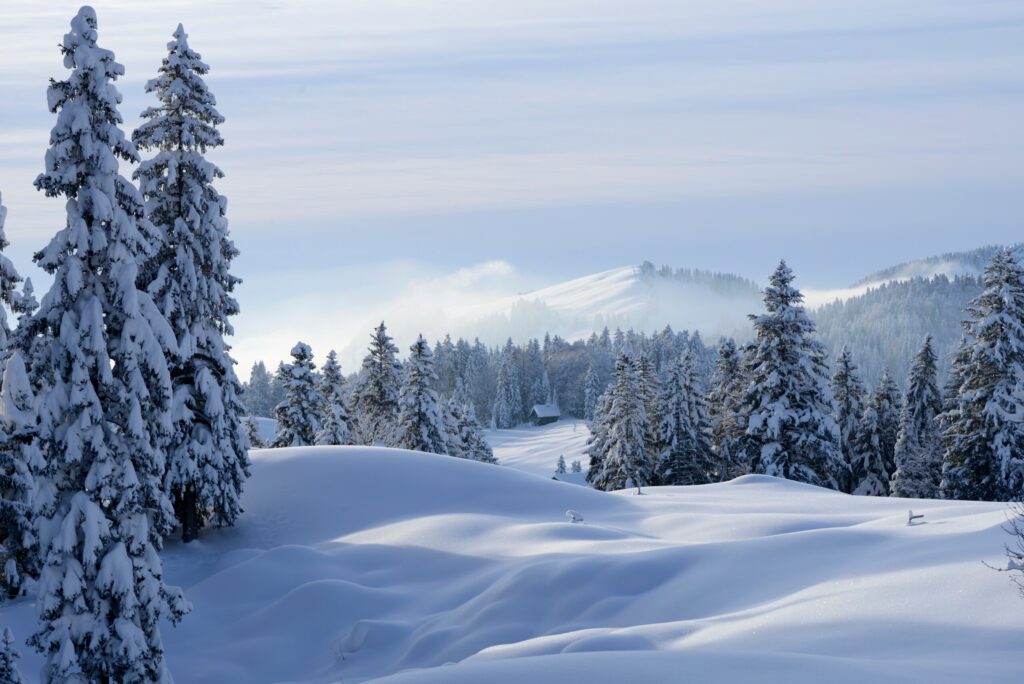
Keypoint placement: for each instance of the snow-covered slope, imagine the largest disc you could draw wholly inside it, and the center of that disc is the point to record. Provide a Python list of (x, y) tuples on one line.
[(352, 564), (622, 297)]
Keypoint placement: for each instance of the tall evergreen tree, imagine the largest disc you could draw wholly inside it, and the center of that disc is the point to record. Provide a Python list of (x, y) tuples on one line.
[(686, 457), (98, 359), (20, 462), (298, 416), (508, 401), (787, 406), (874, 449), (375, 398), (9, 673), (259, 391), (592, 390), (848, 395), (619, 452), (918, 452), (420, 424), (650, 394), (724, 402), (189, 279), (984, 458), (334, 424)]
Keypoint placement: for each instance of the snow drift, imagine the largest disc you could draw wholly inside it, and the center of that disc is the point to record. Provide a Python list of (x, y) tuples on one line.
[(352, 564)]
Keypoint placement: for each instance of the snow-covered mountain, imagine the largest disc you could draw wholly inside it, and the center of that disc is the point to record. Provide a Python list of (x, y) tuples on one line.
[(638, 297)]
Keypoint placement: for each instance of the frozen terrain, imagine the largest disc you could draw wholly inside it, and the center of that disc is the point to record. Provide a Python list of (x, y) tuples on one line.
[(354, 564)]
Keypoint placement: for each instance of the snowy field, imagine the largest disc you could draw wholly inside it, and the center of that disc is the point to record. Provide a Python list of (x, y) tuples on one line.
[(354, 564)]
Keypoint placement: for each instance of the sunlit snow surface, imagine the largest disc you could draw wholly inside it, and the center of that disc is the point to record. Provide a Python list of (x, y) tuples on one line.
[(352, 564)]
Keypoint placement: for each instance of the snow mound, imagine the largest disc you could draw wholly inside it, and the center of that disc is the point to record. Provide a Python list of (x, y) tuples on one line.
[(355, 564)]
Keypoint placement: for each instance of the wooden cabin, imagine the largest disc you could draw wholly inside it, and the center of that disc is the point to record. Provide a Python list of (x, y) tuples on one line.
[(542, 414)]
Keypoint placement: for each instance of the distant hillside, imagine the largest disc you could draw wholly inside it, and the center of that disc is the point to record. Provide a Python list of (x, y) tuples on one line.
[(644, 298), (886, 325), (951, 264)]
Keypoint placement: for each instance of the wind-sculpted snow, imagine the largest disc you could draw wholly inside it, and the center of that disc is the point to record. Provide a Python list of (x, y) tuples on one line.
[(354, 564)]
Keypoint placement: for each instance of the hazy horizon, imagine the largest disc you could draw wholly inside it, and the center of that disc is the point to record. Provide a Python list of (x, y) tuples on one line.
[(394, 156)]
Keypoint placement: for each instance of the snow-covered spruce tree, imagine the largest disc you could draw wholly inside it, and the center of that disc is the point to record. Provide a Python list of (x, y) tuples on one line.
[(598, 435), (560, 466), (918, 453), (686, 457), (20, 461), (650, 393), (98, 359), (724, 400), (508, 402), (252, 433), (787, 406), (620, 454), (375, 398), (189, 280), (848, 395), (9, 655), (334, 426), (465, 437), (19, 302), (984, 459), (298, 416), (592, 390), (420, 425), (258, 392), (874, 448)]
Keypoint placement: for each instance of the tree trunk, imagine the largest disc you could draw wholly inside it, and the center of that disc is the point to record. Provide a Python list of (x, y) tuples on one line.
[(188, 515)]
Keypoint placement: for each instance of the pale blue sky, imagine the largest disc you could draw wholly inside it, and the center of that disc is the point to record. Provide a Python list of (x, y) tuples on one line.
[(375, 147)]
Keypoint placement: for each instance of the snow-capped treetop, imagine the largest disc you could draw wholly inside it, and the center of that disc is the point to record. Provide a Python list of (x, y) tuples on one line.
[(187, 116)]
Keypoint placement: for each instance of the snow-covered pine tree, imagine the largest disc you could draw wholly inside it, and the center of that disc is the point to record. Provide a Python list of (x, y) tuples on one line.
[(508, 402), (334, 426), (19, 302), (9, 673), (598, 435), (474, 444), (375, 398), (650, 392), (560, 466), (592, 389), (686, 457), (252, 433), (619, 447), (724, 400), (918, 453), (258, 392), (298, 416), (874, 449), (984, 459), (465, 437), (848, 395), (420, 425), (577, 467), (190, 282), (98, 359), (787, 405), (20, 461)]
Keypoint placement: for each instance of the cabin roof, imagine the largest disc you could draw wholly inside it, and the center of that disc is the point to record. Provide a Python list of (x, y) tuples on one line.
[(546, 410)]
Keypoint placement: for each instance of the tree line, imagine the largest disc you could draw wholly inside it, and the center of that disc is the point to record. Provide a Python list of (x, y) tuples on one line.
[(771, 408)]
